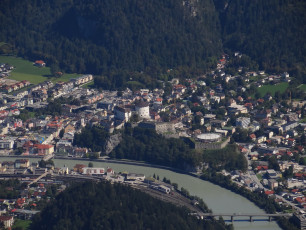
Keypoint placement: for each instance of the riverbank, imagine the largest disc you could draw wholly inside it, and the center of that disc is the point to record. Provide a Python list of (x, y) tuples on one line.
[(218, 199), (260, 200)]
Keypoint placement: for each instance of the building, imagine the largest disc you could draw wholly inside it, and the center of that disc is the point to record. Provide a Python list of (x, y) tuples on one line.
[(93, 171), (243, 122), (142, 109), (40, 63), (22, 163), (123, 114), (134, 176), (42, 149), (8, 221), (6, 144)]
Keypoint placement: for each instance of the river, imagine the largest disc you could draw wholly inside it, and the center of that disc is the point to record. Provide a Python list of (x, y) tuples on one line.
[(218, 199)]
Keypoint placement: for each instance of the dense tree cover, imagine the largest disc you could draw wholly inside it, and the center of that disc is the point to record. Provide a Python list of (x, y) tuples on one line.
[(91, 137), (105, 206), (227, 158), (101, 36), (272, 32), (9, 189), (146, 145), (144, 38)]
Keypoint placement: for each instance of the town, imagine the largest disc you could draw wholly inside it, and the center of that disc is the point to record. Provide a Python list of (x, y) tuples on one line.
[(222, 107)]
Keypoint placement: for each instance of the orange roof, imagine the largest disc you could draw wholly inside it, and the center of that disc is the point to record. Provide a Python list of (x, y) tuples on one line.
[(269, 192), (42, 146)]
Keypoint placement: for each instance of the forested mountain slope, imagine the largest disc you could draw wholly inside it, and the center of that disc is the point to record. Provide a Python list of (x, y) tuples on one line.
[(103, 37), (96, 36), (272, 32)]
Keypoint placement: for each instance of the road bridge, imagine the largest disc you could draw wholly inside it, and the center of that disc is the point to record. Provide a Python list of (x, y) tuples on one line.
[(250, 215)]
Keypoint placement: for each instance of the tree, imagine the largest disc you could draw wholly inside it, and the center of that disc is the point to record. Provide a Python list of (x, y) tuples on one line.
[(61, 134), (90, 164)]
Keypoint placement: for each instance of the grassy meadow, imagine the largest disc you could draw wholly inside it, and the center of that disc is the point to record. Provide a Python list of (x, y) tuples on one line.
[(25, 70), (281, 87)]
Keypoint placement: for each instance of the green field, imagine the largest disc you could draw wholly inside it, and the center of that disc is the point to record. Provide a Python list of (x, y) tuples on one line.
[(24, 224), (88, 85), (303, 87), (25, 70), (281, 87)]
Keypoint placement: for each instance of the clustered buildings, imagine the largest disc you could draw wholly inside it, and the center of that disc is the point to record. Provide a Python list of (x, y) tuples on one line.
[(212, 110)]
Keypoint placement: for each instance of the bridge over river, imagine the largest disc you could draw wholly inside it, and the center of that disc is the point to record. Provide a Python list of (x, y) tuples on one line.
[(252, 216)]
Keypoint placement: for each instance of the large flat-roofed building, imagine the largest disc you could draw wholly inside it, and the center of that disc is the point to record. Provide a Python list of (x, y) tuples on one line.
[(208, 137)]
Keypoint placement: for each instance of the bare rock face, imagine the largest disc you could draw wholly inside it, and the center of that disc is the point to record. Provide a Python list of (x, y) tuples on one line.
[(112, 142)]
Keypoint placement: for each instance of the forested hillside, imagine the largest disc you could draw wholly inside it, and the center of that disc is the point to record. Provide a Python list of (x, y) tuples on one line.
[(271, 32), (122, 38), (100, 36), (105, 206)]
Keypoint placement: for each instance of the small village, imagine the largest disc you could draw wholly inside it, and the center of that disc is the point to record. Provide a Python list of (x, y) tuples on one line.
[(213, 109)]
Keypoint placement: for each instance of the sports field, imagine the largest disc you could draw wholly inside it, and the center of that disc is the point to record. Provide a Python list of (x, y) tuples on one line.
[(281, 87)]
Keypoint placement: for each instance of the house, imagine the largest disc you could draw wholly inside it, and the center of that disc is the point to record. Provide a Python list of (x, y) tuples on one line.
[(6, 144), (40, 63), (253, 137), (8, 221), (93, 171), (79, 168), (69, 128), (43, 149), (22, 163)]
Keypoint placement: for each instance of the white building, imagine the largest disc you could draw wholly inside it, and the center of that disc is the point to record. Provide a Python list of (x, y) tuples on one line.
[(6, 144), (143, 110), (93, 171), (122, 113)]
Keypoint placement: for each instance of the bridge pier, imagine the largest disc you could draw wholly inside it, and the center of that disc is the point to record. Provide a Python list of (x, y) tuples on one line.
[(232, 218), (270, 218), (251, 218)]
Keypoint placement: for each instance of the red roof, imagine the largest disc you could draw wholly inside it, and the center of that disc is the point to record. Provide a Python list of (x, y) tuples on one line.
[(5, 218), (39, 62), (260, 100), (41, 146), (269, 192)]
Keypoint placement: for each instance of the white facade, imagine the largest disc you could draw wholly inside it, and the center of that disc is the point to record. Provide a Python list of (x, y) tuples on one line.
[(93, 171), (6, 144), (122, 113), (143, 111)]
